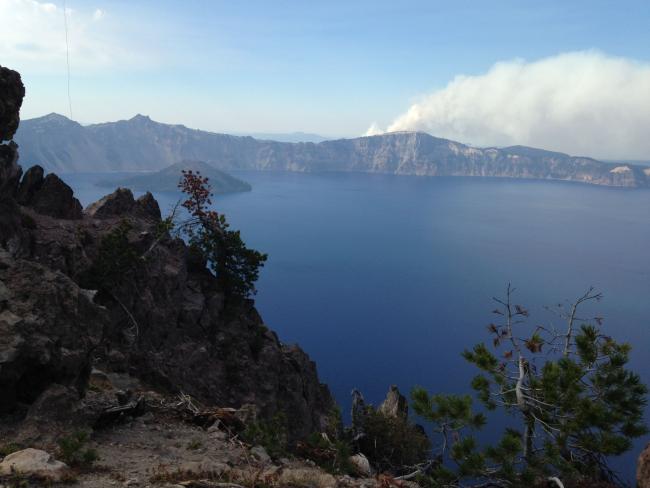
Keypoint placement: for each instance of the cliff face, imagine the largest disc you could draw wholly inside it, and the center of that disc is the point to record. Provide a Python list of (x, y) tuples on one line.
[(140, 143), (164, 321)]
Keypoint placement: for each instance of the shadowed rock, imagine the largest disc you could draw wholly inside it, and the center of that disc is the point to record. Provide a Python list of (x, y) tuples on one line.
[(643, 469), (48, 329), (30, 184), (13, 92), (56, 199), (149, 206), (116, 204), (121, 203)]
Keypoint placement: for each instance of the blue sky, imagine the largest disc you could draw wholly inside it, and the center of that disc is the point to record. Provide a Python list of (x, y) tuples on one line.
[(276, 66)]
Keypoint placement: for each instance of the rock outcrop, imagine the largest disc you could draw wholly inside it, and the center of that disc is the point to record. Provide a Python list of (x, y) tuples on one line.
[(395, 404), (121, 202), (12, 92), (164, 320), (643, 469), (49, 196)]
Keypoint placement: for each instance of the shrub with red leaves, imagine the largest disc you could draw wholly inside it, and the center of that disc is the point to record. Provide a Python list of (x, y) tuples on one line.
[(235, 265)]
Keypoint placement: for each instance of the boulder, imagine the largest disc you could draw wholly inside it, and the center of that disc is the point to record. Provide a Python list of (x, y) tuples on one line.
[(361, 465), (56, 199), (643, 469), (259, 453), (395, 404), (33, 462)]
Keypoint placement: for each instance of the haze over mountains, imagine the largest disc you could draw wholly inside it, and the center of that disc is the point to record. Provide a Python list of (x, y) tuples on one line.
[(60, 144)]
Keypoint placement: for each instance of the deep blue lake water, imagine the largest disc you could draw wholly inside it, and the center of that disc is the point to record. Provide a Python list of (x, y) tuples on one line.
[(386, 279)]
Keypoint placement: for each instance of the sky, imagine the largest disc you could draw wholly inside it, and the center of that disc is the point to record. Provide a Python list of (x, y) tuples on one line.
[(569, 76)]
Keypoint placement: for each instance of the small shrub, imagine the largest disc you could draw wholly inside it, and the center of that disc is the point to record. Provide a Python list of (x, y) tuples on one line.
[(271, 435), (73, 452), (391, 443), (332, 456), (16, 480), (9, 448), (116, 258), (194, 444)]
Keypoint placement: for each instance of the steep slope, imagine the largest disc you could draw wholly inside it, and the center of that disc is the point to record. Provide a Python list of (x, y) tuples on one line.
[(163, 319), (142, 144)]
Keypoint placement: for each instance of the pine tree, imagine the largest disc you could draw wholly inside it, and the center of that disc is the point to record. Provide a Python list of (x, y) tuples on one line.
[(576, 402)]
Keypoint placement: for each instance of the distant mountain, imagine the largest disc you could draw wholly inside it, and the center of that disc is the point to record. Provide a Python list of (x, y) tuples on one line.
[(286, 137), (60, 144), (166, 180)]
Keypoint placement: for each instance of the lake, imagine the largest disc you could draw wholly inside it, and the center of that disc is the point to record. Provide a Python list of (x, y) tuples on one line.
[(386, 279)]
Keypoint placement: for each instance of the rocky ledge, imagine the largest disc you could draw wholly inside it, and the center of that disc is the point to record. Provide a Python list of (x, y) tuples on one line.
[(165, 322)]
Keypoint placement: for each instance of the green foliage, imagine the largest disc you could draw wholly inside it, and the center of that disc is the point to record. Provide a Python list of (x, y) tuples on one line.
[(9, 448), (451, 412), (115, 258), (164, 227), (271, 435), (235, 265), (571, 391), (391, 443), (334, 423), (73, 452), (194, 444), (331, 455), (330, 449), (17, 480)]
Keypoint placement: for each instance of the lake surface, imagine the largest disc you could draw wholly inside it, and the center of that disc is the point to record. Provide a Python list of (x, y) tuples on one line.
[(386, 279)]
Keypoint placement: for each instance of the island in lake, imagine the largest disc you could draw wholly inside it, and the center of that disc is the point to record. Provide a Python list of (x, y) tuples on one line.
[(166, 180)]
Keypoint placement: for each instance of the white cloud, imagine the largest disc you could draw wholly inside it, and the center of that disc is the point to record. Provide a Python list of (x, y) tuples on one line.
[(582, 103), (32, 39)]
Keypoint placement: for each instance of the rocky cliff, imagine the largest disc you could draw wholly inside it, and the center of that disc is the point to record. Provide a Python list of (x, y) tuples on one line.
[(164, 321), (141, 143)]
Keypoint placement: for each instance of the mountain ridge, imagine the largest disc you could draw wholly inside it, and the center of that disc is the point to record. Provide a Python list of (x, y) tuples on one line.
[(141, 143)]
